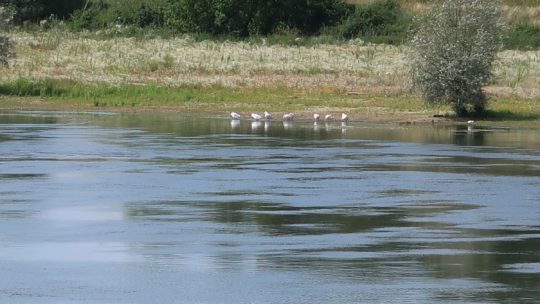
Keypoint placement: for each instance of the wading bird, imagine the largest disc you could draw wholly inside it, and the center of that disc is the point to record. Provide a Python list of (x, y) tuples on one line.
[(344, 117), (255, 116), (267, 115), (316, 117), (235, 115), (328, 117), (470, 125), (288, 116)]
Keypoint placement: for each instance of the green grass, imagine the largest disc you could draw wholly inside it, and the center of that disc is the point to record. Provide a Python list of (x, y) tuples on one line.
[(67, 95), (149, 95)]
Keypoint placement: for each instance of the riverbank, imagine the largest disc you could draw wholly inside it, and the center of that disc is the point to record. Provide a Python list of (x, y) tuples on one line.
[(62, 70), (220, 101)]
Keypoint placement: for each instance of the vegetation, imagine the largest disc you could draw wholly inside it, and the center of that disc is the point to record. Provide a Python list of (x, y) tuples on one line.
[(523, 35), (135, 57), (352, 68), (5, 44), (37, 10), (453, 48), (253, 17), (378, 21)]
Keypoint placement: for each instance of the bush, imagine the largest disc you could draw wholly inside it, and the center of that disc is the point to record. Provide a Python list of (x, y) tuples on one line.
[(5, 44), (453, 47), (101, 14), (36, 10), (253, 17), (523, 36), (381, 18)]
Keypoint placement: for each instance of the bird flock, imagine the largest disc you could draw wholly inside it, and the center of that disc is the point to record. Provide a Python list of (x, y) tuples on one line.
[(289, 117)]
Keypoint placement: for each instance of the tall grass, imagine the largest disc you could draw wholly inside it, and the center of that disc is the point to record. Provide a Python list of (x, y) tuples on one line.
[(350, 66)]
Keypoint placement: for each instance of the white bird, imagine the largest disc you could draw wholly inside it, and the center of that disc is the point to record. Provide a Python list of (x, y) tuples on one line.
[(344, 117), (316, 117), (288, 116), (255, 116), (267, 116), (328, 117), (235, 115), (470, 126)]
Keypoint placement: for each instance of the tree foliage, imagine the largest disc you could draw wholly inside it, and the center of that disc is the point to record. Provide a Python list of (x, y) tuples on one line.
[(36, 10), (453, 47), (246, 17), (382, 17)]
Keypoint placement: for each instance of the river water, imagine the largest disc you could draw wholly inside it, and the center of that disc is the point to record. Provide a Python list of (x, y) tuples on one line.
[(119, 208)]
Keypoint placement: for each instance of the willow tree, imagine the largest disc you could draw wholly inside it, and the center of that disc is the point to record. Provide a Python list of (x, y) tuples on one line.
[(453, 46)]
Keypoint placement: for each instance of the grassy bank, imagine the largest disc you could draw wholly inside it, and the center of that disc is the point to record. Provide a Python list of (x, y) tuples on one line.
[(61, 69), (49, 94), (63, 94)]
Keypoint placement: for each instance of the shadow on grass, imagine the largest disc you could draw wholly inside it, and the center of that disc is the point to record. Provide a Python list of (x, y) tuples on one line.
[(495, 115), (507, 115)]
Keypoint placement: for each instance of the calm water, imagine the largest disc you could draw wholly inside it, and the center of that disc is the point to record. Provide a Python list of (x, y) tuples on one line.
[(103, 208)]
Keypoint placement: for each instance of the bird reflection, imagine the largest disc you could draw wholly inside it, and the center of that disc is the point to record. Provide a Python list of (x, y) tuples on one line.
[(235, 123), (255, 125), (327, 127), (267, 126), (288, 124)]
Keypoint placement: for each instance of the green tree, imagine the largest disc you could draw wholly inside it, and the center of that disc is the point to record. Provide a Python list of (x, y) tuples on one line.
[(36, 10), (246, 17), (453, 47)]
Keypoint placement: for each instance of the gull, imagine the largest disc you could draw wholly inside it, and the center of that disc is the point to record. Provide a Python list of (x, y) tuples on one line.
[(344, 117), (316, 117), (255, 116), (328, 117), (470, 125), (235, 115), (288, 116), (267, 115)]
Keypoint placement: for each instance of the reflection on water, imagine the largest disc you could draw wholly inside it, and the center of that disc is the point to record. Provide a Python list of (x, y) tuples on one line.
[(152, 208)]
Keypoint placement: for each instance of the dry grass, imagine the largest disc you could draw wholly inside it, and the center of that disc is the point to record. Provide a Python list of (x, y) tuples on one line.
[(370, 70)]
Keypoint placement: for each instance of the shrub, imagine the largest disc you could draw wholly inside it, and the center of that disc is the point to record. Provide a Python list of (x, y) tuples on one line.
[(101, 14), (36, 10), (5, 44), (252, 17), (380, 18), (453, 47)]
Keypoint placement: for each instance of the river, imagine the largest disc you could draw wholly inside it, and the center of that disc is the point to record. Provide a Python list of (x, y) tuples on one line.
[(162, 208)]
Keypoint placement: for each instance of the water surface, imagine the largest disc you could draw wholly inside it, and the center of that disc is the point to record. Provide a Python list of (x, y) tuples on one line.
[(109, 208)]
